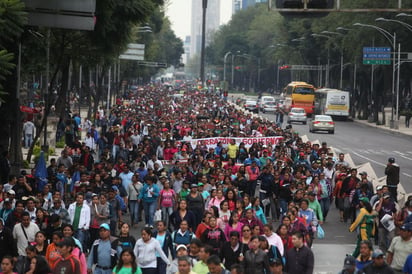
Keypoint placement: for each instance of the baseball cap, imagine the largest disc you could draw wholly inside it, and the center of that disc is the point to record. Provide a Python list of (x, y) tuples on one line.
[(364, 199), (7, 200), (379, 187), (311, 193), (105, 226), (406, 227), (11, 192), (301, 154), (391, 160), (363, 173), (193, 185), (181, 246), (386, 195), (200, 184), (376, 253), (349, 262), (275, 261)]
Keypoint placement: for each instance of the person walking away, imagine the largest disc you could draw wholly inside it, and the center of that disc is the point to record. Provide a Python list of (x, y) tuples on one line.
[(103, 254), (400, 249), (299, 259), (366, 223), (28, 130), (392, 177), (378, 264)]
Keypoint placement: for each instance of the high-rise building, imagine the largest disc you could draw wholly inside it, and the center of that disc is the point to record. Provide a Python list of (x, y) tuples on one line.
[(212, 23), (186, 47)]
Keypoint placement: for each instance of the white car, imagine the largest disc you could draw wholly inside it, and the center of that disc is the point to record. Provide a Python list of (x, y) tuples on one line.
[(297, 115), (322, 123), (269, 107)]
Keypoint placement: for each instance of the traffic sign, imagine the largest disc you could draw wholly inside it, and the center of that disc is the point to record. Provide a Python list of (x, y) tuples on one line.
[(376, 56), (376, 49), (376, 62)]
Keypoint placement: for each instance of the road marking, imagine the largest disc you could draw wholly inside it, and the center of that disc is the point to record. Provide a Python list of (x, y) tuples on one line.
[(407, 175), (369, 159), (403, 155)]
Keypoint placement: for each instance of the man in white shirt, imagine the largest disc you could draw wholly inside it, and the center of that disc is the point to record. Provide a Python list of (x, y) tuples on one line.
[(79, 213), (28, 130), (24, 233), (152, 161)]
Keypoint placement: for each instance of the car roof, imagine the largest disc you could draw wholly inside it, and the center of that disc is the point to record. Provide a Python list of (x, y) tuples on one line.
[(251, 101), (323, 117)]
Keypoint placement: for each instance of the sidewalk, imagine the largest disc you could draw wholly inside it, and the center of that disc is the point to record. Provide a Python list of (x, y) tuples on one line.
[(402, 129)]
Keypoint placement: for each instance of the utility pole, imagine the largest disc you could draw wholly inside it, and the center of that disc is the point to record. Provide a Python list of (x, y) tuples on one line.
[(202, 54)]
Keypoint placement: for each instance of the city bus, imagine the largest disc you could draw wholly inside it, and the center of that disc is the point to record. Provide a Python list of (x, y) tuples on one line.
[(332, 102), (299, 95)]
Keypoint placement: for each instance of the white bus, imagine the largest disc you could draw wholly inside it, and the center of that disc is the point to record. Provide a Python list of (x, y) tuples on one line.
[(332, 102)]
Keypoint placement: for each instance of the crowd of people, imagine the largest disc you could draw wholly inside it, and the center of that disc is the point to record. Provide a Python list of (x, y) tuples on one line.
[(218, 190)]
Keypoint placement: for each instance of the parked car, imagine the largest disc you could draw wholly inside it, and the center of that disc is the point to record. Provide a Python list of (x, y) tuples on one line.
[(251, 105), (269, 107), (322, 123), (297, 115)]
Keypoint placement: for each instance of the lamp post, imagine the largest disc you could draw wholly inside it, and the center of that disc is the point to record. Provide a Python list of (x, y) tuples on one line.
[(328, 64), (392, 40), (341, 55), (409, 27), (202, 54), (245, 55), (224, 65)]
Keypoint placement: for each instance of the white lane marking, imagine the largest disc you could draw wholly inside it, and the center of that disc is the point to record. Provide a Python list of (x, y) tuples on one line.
[(407, 175), (369, 159), (403, 155)]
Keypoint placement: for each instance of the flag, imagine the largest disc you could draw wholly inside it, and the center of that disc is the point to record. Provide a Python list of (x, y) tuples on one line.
[(41, 172)]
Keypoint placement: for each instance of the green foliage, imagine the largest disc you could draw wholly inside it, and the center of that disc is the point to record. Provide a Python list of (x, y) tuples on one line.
[(60, 144)]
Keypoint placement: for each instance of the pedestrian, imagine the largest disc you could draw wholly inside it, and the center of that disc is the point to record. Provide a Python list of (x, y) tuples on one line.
[(79, 213), (39, 265), (299, 259), (125, 240), (127, 263), (67, 262), (148, 195), (255, 260), (215, 265), (378, 264), (28, 131), (145, 251), (232, 250), (7, 246), (7, 265), (365, 255), (385, 208), (166, 242), (392, 177), (349, 265), (103, 254), (400, 248), (364, 223)]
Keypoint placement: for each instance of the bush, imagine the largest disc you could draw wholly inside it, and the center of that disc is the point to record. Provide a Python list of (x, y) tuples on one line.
[(60, 144)]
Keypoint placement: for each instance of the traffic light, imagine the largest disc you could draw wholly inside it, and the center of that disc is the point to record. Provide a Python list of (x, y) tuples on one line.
[(299, 4), (284, 67)]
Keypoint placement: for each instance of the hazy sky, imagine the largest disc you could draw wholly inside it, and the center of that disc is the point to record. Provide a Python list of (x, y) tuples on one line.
[(179, 12)]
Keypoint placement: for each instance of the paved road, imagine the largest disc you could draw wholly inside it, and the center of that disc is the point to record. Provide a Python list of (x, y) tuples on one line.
[(366, 144)]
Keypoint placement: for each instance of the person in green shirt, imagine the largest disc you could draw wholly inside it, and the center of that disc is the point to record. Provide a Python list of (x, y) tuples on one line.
[(127, 263), (315, 205), (184, 191), (201, 266)]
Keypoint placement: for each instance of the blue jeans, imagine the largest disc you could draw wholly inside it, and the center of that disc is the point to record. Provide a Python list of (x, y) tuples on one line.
[(149, 211), (325, 205), (115, 151), (28, 140), (134, 211), (166, 212), (283, 206), (101, 271), (82, 236)]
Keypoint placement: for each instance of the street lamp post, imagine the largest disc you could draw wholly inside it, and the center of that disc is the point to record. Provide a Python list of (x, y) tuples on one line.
[(341, 55), (328, 64), (202, 54), (224, 65), (392, 40)]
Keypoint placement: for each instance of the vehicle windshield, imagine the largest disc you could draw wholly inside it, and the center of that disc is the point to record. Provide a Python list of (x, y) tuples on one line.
[(323, 118), (298, 110), (304, 90)]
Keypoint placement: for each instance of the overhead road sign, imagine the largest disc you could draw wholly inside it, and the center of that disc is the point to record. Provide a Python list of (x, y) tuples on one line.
[(134, 52), (131, 57), (377, 56)]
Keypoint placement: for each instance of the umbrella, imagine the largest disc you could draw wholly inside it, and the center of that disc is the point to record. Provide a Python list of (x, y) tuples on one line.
[(41, 172)]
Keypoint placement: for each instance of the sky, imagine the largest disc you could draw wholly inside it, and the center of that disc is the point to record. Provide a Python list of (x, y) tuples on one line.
[(179, 13)]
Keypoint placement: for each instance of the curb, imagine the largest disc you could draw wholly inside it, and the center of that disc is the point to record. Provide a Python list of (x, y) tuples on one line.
[(393, 131)]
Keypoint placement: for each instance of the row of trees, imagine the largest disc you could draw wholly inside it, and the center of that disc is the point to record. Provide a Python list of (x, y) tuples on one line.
[(278, 40), (116, 25)]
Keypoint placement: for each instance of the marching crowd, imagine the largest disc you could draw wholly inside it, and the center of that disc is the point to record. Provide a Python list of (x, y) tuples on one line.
[(217, 189)]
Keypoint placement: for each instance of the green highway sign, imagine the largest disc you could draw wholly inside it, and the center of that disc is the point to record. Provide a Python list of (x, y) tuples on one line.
[(376, 62)]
